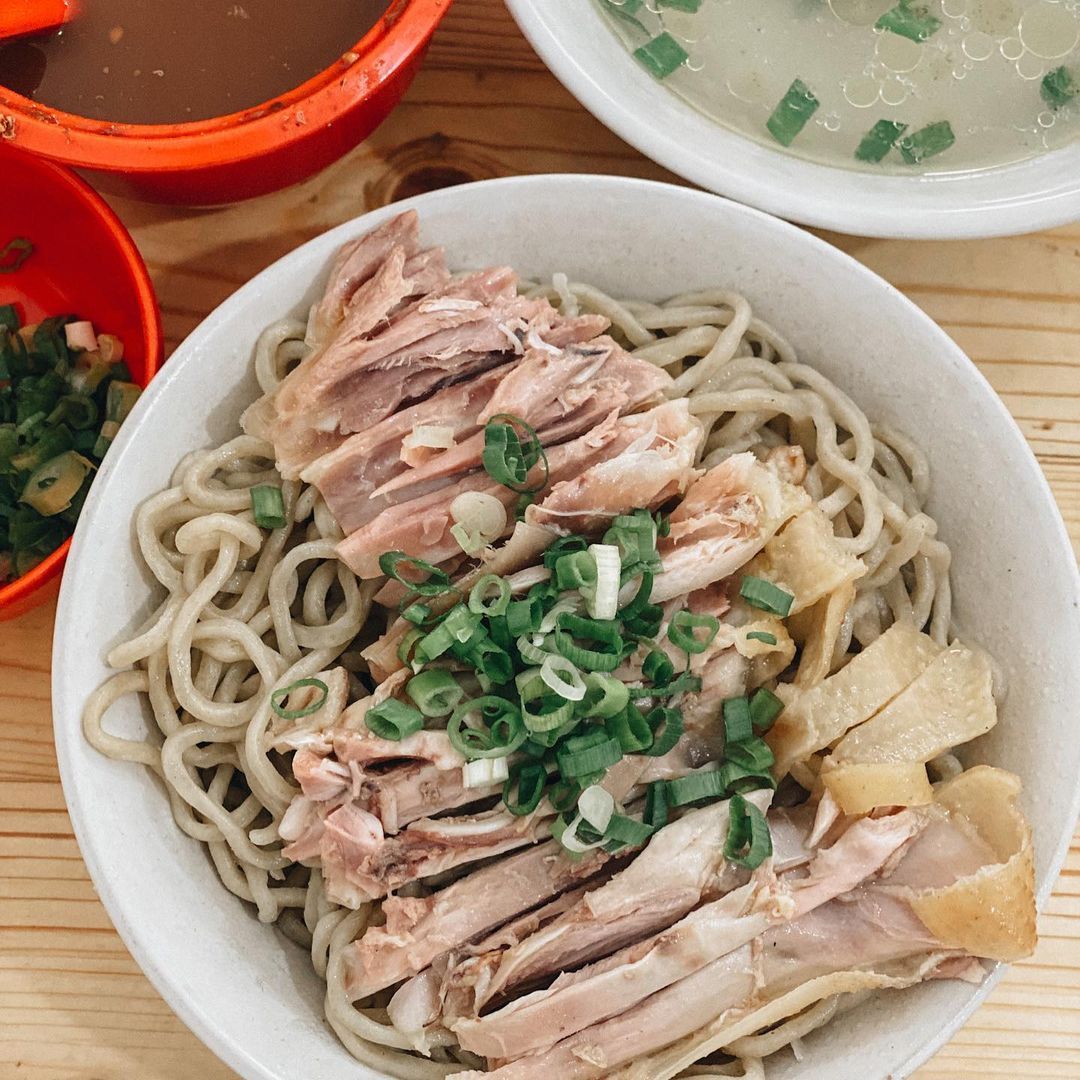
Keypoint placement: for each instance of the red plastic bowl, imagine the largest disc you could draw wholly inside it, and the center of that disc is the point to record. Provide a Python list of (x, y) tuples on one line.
[(247, 153), (84, 263)]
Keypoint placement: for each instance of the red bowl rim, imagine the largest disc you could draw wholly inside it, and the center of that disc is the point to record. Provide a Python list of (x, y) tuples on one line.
[(151, 148), (22, 587)]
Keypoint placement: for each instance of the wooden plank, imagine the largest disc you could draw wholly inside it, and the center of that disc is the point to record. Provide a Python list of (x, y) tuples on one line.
[(73, 1004)]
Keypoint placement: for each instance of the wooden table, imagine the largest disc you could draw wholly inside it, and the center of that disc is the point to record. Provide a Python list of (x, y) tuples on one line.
[(73, 1004)]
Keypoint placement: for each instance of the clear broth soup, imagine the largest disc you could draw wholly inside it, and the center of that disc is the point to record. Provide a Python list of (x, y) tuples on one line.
[(930, 85)]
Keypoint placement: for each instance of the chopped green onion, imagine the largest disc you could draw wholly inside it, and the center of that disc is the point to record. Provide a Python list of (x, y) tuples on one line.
[(563, 795), (765, 707), (459, 625), (530, 652), (605, 696), (640, 601), (603, 595), (52, 486), (635, 537), (278, 696), (690, 6), (596, 805), (627, 831), (879, 140), (407, 644), (394, 720), (594, 630), (562, 678), (418, 614), (507, 459), (434, 583), (267, 506), (789, 117), (435, 692), (1058, 87), (681, 631), (748, 842), (484, 772), (523, 616), (661, 56), (752, 754), (500, 730), (766, 596), (926, 142), (493, 662), (624, 10), (15, 252), (576, 570), (761, 635), (667, 729), (656, 805), (554, 710), (695, 787), (736, 779), (658, 668), (481, 600), (631, 729), (909, 20), (525, 788), (737, 725), (592, 759), (565, 545)]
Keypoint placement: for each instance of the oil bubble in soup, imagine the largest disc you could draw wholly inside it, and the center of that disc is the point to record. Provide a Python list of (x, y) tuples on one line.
[(893, 85), (174, 61)]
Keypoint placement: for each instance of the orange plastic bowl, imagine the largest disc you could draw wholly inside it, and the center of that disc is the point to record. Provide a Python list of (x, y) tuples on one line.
[(84, 263), (247, 153)]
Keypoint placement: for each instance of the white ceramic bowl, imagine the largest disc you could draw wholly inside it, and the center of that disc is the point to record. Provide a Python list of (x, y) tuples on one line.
[(574, 40), (250, 994)]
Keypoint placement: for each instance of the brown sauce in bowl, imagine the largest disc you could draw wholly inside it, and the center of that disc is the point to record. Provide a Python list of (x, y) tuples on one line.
[(175, 61)]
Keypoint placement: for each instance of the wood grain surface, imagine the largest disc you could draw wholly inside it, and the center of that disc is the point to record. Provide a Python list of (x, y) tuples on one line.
[(73, 1004)]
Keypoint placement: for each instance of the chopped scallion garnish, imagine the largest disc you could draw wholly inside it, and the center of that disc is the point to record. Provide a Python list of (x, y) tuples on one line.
[(879, 140), (661, 56), (434, 581), (394, 720), (927, 142), (766, 596), (910, 20), (748, 842), (737, 723), (486, 727), (1058, 87), (761, 635), (279, 696), (508, 458), (765, 707), (435, 692), (268, 506), (683, 631), (790, 116)]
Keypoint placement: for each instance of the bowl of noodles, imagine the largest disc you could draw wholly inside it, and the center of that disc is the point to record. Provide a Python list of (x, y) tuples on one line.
[(590, 644)]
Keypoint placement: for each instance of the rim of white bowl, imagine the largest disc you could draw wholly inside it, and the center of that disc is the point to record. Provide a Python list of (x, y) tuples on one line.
[(67, 712), (586, 57)]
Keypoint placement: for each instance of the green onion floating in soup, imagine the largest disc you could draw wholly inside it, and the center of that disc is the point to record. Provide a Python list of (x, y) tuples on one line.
[(879, 140), (790, 116), (661, 56), (927, 142), (912, 21), (1059, 87)]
